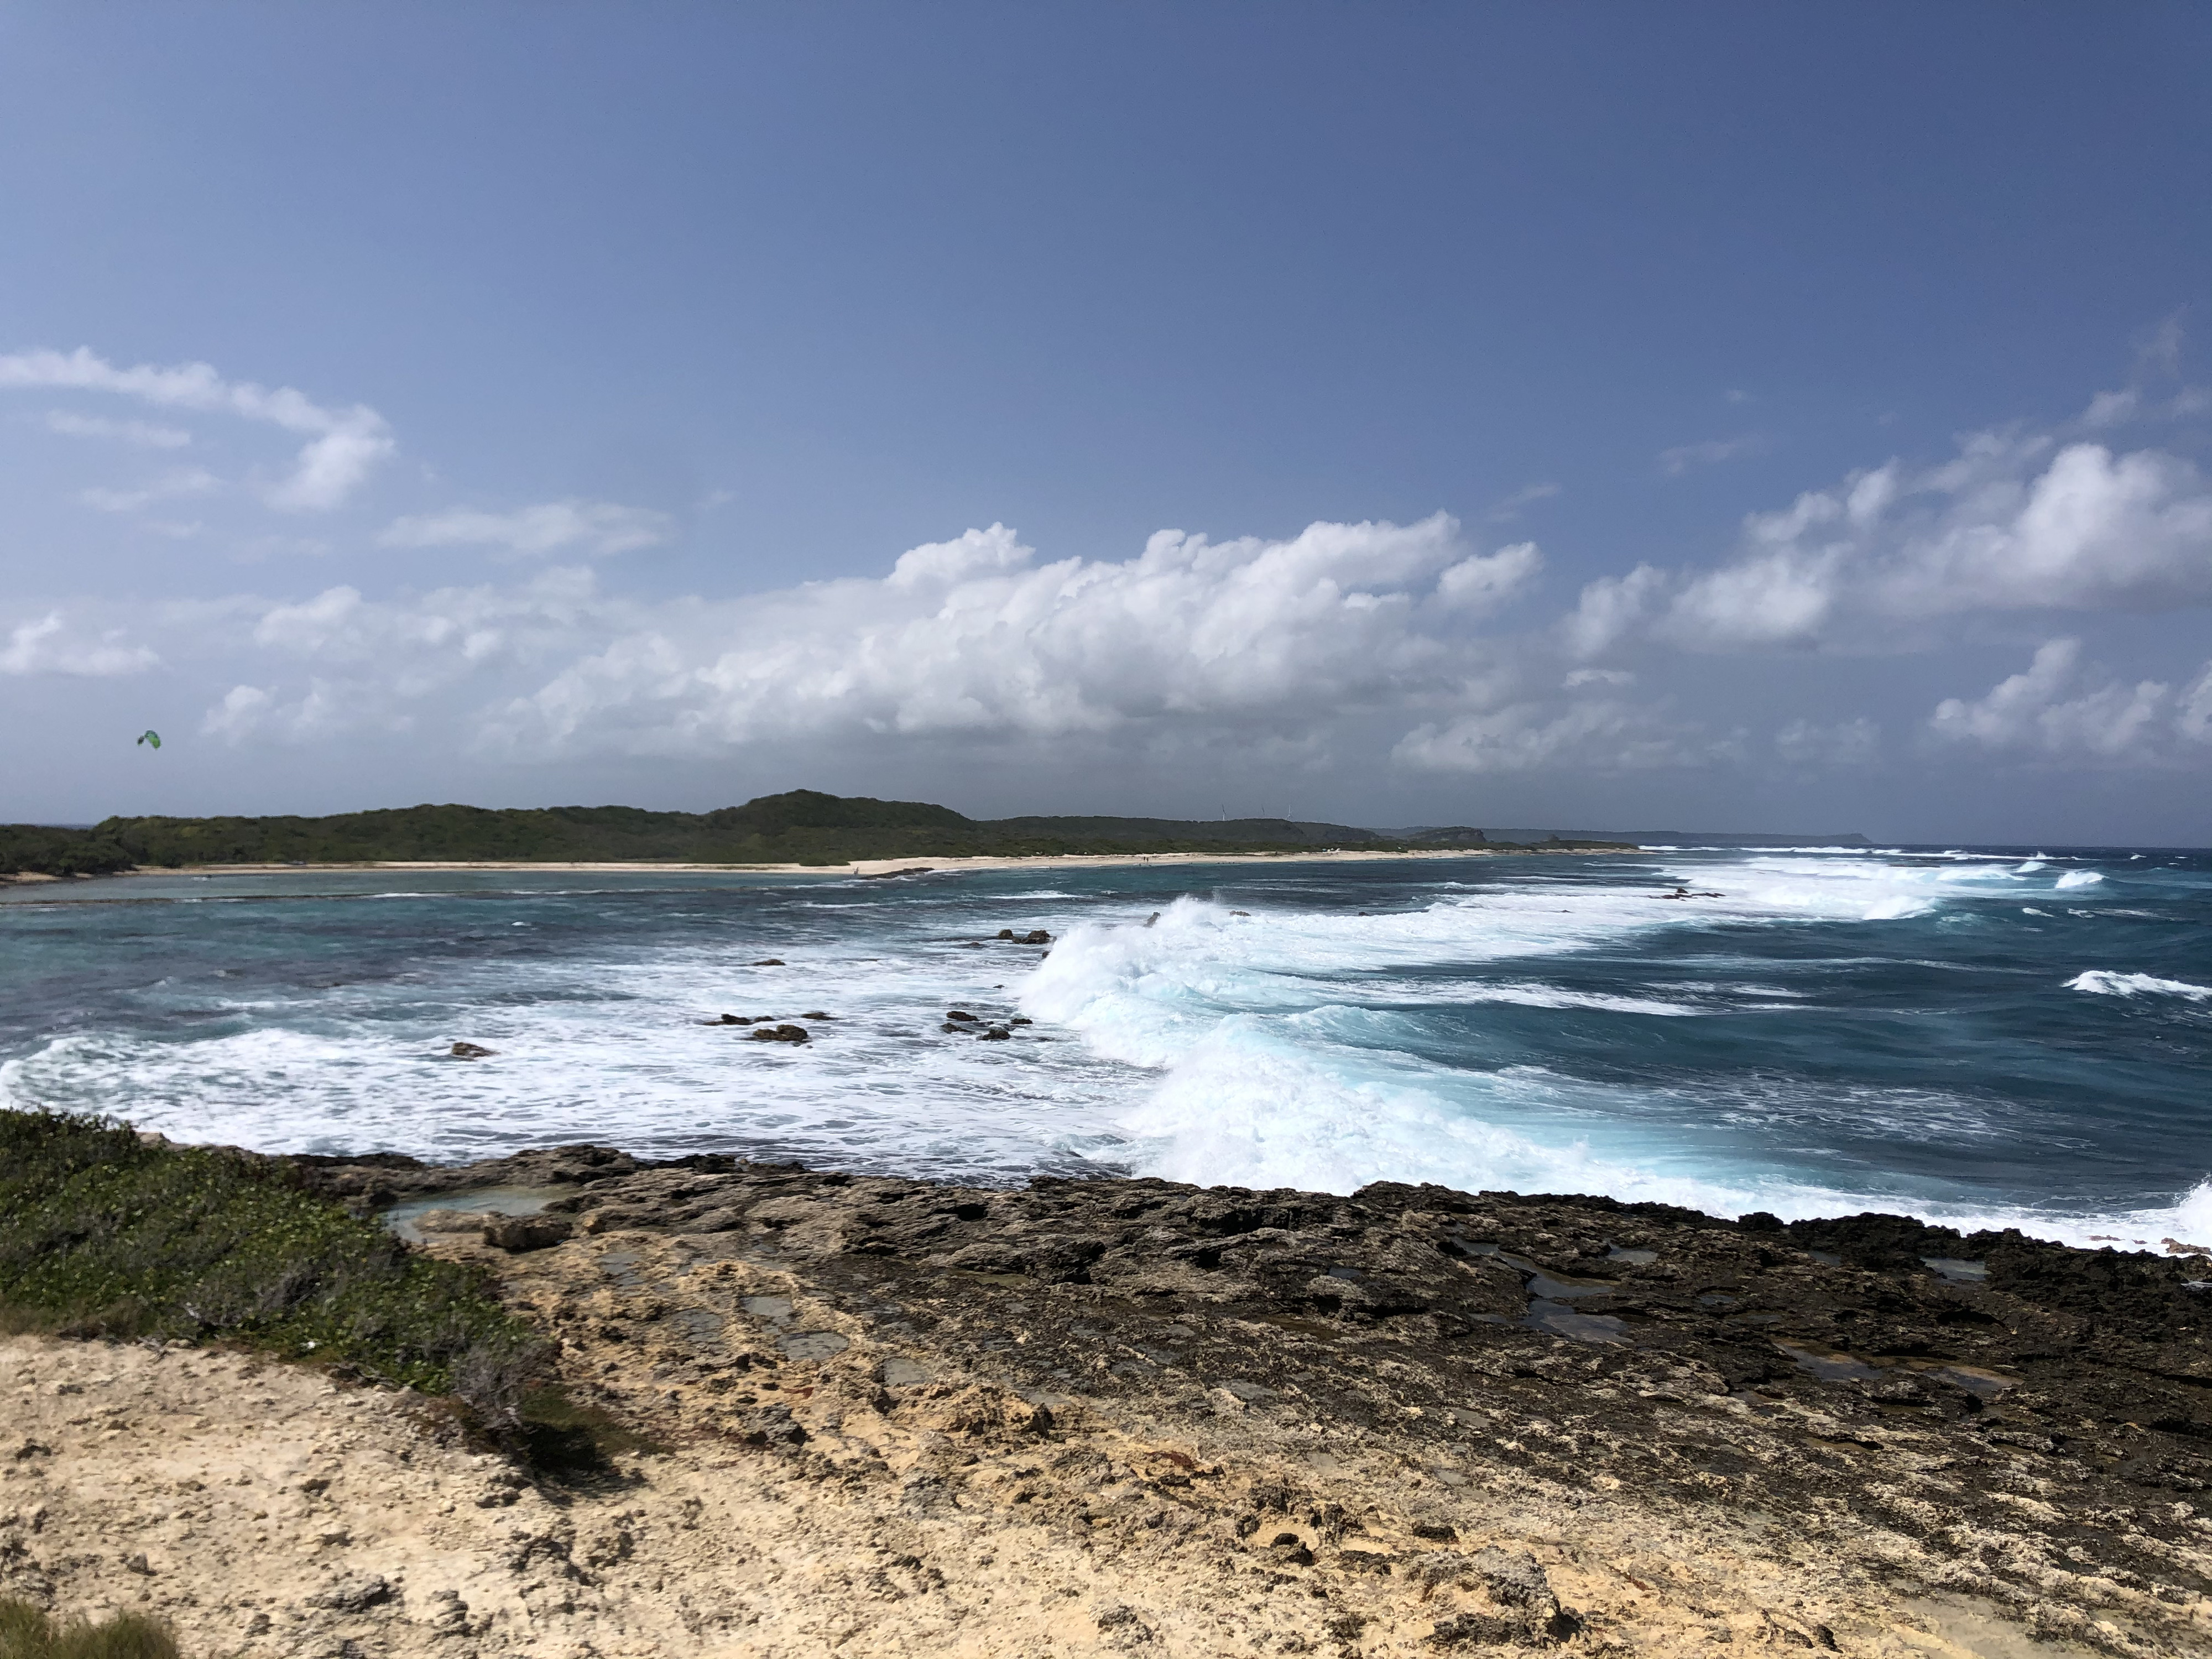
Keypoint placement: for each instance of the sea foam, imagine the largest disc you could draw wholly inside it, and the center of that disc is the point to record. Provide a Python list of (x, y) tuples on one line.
[(2103, 982)]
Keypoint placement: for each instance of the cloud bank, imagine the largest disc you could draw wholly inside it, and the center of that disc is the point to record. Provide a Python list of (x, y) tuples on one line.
[(968, 638), (1373, 645)]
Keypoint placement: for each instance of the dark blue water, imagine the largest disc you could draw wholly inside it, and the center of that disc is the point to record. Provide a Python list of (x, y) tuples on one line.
[(1985, 1036)]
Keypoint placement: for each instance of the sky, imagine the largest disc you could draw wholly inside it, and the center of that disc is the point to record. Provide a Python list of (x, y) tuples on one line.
[(1712, 416)]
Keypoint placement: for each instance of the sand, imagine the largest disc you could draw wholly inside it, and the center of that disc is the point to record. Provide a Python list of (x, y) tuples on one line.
[(263, 1510)]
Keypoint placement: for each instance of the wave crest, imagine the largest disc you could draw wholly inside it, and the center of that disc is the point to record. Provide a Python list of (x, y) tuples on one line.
[(2103, 983)]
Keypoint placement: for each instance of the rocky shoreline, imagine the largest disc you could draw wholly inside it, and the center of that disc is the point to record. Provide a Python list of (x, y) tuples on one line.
[(1131, 1416)]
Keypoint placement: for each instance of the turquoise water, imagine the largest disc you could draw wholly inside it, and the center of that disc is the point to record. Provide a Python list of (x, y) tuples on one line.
[(1987, 1036)]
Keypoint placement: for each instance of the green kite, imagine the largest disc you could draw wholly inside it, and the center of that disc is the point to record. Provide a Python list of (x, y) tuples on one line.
[(152, 739)]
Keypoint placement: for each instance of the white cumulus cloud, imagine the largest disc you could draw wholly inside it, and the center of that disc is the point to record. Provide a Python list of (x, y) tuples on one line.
[(971, 636), (344, 445), (1611, 608), (1483, 581), (2015, 521), (1191, 642), (2062, 706)]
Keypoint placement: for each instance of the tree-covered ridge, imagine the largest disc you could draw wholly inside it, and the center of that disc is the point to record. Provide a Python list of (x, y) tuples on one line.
[(803, 826)]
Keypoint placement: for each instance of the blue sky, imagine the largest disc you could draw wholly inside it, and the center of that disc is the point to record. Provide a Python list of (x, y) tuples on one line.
[(1811, 397)]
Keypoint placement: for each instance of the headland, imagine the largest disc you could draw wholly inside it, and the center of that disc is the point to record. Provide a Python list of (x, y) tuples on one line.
[(885, 1416), (801, 829)]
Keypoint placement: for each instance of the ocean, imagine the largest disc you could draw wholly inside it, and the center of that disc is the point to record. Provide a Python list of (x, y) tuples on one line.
[(1982, 1037)]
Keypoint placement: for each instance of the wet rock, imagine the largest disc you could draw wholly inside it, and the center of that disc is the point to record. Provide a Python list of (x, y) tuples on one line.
[(769, 961), (517, 1233), (471, 1051), (1035, 936), (997, 1033), (785, 1033), (450, 1221), (959, 1016), (818, 1014)]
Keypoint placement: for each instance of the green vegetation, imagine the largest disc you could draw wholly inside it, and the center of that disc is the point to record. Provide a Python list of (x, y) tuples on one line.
[(26, 1633), (54, 851), (105, 1234), (801, 827)]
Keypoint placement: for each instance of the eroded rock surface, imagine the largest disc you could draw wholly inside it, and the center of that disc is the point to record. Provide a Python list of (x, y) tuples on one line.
[(1133, 1417)]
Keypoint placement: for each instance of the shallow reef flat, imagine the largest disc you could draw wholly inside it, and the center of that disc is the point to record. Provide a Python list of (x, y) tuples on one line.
[(1127, 1416)]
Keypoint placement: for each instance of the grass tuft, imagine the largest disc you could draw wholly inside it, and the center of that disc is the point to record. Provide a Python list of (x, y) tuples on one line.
[(26, 1633)]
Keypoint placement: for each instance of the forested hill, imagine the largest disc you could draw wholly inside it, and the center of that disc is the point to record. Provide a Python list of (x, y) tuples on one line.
[(801, 827)]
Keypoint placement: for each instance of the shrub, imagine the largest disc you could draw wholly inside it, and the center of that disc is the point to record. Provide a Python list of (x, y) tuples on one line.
[(105, 1234)]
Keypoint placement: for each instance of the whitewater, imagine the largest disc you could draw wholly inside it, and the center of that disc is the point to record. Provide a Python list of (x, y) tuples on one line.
[(1982, 1037)]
